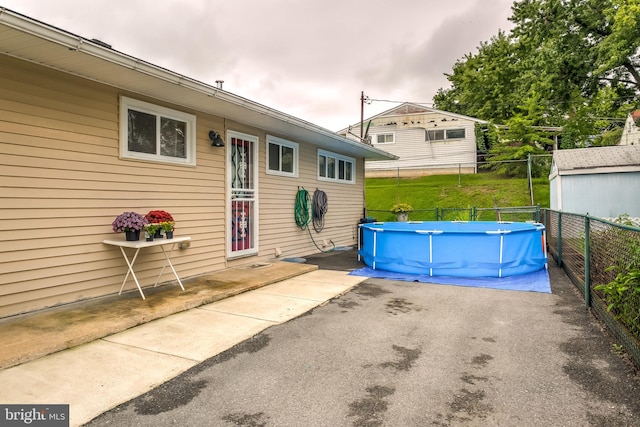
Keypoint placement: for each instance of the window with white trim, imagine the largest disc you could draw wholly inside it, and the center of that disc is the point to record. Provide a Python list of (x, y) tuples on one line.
[(445, 134), (456, 133), (384, 138), (155, 133), (336, 167), (282, 157)]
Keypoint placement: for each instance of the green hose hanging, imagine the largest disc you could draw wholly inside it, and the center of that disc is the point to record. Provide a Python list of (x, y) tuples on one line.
[(302, 209)]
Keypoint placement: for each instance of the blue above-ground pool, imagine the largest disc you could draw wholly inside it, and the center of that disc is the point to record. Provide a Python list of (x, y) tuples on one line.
[(457, 249)]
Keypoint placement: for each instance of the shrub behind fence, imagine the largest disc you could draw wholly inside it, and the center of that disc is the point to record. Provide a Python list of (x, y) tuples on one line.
[(602, 259)]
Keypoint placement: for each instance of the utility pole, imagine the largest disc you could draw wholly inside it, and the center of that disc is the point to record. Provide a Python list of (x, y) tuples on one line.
[(361, 114)]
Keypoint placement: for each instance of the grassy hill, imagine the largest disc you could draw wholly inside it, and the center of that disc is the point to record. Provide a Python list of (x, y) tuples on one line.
[(482, 190)]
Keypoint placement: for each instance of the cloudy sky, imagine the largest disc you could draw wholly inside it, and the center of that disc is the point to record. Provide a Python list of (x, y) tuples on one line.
[(307, 58)]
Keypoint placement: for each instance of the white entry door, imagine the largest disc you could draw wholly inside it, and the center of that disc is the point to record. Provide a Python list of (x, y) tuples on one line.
[(242, 155)]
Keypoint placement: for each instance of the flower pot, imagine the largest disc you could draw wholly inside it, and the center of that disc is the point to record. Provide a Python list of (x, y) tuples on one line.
[(132, 235), (402, 216), (169, 234), (149, 237), (158, 234)]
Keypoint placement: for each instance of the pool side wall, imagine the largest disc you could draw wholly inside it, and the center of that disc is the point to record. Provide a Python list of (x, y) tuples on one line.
[(447, 249)]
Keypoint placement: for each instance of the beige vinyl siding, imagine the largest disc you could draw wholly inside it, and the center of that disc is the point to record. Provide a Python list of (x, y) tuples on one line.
[(62, 184), (278, 228)]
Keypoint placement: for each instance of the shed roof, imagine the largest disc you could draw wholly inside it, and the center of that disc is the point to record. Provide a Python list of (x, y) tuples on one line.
[(31, 40), (619, 158)]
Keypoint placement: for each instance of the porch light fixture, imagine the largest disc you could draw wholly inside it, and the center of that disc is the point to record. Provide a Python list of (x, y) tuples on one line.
[(216, 139)]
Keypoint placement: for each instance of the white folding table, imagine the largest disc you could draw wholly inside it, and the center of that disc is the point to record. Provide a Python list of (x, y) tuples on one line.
[(137, 245)]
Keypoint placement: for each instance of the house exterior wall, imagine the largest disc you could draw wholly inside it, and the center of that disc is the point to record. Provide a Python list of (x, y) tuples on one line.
[(593, 194), (278, 228), (62, 183), (417, 155)]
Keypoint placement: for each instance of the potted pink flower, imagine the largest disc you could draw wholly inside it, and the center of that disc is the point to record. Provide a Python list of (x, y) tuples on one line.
[(130, 223)]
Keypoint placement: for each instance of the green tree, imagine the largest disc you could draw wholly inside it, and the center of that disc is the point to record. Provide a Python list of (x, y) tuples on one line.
[(520, 137), (577, 60), (483, 84)]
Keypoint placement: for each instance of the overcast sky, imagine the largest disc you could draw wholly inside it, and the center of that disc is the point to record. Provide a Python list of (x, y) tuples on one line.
[(307, 58)]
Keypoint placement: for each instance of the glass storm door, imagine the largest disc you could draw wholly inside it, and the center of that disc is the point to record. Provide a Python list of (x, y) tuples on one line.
[(243, 163)]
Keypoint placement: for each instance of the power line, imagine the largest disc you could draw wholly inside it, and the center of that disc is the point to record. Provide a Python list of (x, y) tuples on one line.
[(400, 102)]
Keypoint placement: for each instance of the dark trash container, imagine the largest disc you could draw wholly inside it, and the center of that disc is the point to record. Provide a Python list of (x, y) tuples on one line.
[(366, 220)]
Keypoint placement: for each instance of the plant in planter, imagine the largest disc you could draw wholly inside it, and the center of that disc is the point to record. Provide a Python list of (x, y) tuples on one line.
[(150, 231), (158, 217), (130, 223), (168, 227), (402, 211)]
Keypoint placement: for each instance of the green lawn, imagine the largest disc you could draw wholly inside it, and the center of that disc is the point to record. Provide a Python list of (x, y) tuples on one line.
[(483, 190)]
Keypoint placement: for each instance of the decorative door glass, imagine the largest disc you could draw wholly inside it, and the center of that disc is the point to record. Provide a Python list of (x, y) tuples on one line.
[(243, 196)]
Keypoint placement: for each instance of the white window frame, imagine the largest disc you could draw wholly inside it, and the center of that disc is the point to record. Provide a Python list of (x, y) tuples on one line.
[(445, 132), (282, 143), (391, 134), (337, 159), (148, 108), (455, 129)]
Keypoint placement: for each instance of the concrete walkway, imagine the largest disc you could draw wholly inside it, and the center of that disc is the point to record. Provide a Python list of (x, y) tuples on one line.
[(100, 369)]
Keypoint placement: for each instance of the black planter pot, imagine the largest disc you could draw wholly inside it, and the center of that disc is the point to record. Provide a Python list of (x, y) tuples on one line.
[(133, 235), (169, 234)]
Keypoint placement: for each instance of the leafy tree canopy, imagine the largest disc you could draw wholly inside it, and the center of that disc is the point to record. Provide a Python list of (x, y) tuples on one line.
[(568, 63)]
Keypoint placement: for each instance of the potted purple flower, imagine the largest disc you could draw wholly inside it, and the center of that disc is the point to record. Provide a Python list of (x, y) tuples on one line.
[(130, 223)]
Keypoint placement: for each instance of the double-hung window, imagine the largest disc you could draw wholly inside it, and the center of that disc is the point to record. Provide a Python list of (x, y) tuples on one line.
[(282, 157), (384, 138), (336, 167), (155, 133)]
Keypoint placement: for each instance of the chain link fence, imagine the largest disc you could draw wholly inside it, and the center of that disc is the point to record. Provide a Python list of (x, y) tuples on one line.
[(602, 259), (520, 213)]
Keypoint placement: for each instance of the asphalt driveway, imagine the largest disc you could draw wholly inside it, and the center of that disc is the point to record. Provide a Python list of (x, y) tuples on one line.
[(392, 353)]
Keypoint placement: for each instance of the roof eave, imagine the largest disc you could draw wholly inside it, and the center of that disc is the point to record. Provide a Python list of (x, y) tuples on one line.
[(150, 80)]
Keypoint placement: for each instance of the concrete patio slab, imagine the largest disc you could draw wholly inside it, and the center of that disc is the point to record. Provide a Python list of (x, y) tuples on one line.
[(89, 378), (33, 335), (195, 334), (312, 287), (258, 305)]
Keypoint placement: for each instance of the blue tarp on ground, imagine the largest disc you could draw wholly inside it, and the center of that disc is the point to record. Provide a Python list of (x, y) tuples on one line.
[(538, 281)]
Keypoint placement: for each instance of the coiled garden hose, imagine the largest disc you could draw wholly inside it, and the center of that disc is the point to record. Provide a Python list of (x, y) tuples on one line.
[(319, 209), (301, 209), (306, 212)]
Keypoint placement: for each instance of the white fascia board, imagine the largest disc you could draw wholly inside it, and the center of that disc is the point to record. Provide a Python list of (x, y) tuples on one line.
[(592, 171)]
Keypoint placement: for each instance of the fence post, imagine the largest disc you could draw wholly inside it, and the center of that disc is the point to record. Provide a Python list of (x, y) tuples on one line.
[(559, 239), (538, 213), (587, 262)]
